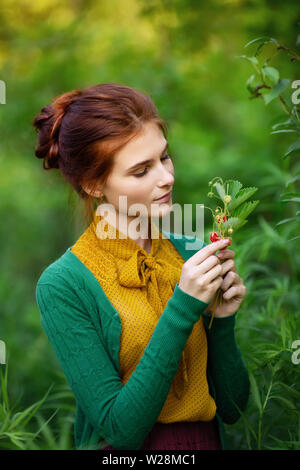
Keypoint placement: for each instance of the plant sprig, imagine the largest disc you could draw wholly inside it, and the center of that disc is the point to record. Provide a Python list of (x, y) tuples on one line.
[(231, 214)]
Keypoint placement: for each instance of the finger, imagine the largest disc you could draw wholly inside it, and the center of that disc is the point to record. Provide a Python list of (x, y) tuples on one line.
[(228, 266), (230, 279), (226, 254), (207, 251), (235, 291)]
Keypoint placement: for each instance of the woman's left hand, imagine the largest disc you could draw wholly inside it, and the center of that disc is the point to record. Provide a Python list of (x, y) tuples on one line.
[(234, 290)]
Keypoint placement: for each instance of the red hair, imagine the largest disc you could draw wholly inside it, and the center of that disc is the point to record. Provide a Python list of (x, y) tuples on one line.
[(81, 130)]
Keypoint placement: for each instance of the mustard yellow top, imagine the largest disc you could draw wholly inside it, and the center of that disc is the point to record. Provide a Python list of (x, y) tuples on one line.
[(139, 285)]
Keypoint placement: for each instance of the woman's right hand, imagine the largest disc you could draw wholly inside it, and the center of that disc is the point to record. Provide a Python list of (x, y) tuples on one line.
[(201, 275)]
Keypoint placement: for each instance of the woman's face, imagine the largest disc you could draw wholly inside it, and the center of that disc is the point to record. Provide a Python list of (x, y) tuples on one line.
[(142, 182)]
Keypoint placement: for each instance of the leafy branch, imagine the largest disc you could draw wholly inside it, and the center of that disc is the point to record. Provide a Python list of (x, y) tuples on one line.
[(231, 215), (267, 84)]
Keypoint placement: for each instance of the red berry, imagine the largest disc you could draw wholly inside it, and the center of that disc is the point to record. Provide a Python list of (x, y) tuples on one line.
[(214, 237), (221, 249)]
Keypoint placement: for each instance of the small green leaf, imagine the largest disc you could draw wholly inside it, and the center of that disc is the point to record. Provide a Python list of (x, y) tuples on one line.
[(264, 39), (233, 187), (241, 196), (295, 238), (255, 391), (282, 131), (293, 392), (245, 209), (271, 74), (234, 222), (276, 90), (289, 122), (292, 180), (293, 199), (288, 220), (220, 191), (289, 194), (288, 403), (251, 83), (292, 148), (253, 59)]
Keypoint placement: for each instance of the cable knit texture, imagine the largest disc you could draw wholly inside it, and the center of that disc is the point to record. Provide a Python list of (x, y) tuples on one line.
[(125, 356)]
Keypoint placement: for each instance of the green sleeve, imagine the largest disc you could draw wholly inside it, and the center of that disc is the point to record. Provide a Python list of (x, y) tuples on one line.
[(226, 369), (123, 415)]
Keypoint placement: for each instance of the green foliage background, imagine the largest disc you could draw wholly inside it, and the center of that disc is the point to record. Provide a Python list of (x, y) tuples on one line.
[(184, 54)]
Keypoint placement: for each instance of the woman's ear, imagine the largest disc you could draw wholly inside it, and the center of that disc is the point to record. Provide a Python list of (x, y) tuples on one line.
[(95, 192)]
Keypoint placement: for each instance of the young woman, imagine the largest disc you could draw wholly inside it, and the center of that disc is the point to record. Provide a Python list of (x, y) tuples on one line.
[(127, 311)]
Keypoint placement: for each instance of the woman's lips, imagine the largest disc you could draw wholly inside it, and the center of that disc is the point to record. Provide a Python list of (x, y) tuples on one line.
[(164, 199)]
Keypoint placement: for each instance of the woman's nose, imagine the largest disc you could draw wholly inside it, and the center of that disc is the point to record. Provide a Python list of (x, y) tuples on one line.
[(167, 177)]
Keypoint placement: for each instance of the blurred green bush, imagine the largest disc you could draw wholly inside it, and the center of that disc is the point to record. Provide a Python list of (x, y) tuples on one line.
[(184, 55)]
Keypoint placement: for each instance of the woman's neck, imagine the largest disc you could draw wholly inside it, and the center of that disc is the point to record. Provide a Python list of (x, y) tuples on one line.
[(123, 223)]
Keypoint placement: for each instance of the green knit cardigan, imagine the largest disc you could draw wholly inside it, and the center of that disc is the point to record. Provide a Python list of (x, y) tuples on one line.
[(84, 330)]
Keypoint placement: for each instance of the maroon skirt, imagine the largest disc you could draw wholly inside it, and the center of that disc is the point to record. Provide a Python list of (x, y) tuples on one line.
[(183, 435)]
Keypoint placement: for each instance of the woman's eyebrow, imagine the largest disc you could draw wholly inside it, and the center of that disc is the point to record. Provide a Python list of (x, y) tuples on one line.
[(149, 160)]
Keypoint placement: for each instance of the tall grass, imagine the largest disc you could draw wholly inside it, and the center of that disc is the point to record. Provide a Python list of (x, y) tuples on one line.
[(269, 258), (268, 324), (16, 426)]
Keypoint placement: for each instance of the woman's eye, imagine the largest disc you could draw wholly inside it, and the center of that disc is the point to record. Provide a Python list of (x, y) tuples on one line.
[(138, 175), (141, 174)]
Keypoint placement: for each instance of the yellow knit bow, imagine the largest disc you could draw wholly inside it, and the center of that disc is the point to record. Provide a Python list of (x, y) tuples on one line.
[(146, 271)]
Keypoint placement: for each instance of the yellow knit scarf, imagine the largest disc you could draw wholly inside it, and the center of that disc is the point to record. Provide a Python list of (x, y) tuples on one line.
[(155, 275)]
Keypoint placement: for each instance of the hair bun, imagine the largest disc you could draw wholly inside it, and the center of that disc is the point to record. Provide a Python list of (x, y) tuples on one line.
[(48, 124)]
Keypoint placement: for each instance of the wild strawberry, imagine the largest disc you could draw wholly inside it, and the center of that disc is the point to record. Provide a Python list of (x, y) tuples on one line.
[(227, 238), (214, 237), (226, 217)]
